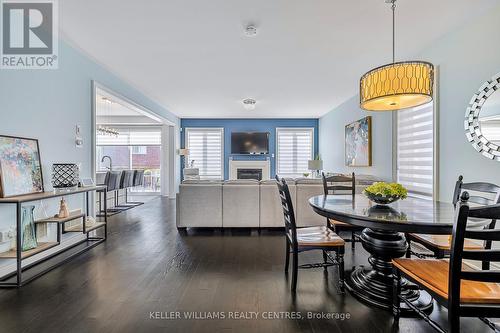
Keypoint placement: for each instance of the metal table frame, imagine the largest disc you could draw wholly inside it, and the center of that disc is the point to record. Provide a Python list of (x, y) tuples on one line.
[(8, 280)]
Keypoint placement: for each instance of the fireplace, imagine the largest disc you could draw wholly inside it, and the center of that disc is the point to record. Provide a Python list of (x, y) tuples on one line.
[(249, 169), (249, 174)]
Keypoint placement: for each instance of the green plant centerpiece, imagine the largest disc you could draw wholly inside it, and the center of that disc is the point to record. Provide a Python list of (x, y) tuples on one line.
[(385, 193)]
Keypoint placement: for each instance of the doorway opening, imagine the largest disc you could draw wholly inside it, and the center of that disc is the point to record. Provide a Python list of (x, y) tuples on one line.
[(130, 138)]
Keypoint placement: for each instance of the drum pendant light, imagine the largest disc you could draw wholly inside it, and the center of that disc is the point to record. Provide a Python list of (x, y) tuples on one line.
[(398, 85)]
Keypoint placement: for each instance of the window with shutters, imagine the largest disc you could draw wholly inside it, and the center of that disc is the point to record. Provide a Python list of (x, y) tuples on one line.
[(415, 150), (136, 148), (295, 147), (206, 149)]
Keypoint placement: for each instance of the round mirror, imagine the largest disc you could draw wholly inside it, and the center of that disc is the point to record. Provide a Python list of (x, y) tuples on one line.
[(489, 118), (482, 123)]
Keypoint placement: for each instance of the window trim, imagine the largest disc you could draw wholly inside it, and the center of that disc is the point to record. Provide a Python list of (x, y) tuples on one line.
[(221, 129), (311, 129)]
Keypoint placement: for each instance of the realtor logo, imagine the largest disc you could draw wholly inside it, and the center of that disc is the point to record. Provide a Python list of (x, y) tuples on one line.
[(29, 38)]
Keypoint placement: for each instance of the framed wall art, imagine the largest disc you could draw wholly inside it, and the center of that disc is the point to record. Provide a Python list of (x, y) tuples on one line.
[(358, 143), (20, 166)]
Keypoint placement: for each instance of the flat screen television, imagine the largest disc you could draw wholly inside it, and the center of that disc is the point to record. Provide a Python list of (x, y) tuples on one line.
[(249, 143)]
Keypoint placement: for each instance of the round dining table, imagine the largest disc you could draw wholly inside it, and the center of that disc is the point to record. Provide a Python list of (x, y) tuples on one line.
[(384, 239)]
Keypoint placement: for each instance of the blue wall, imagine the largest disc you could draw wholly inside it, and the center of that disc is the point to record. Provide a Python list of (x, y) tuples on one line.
[(250, 125)]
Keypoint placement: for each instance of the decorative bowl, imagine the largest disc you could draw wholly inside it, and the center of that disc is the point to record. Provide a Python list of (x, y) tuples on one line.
[(383, 193), (380, 199)]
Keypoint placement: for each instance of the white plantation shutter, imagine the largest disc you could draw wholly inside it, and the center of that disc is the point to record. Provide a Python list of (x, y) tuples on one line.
[(295, 147), (415, 152), (206, 148), (131, 136)]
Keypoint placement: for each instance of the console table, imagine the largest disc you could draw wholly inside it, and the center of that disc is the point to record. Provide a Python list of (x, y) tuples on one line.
[(37, 268)]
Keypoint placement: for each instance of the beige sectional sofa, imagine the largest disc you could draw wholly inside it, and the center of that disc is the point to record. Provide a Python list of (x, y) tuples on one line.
[(249, 203)]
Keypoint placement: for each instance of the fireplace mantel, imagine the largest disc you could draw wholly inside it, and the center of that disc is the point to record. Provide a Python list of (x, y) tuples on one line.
[(234, 165)]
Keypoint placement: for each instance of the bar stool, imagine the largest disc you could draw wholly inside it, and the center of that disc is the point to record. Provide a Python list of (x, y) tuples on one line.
[(138, 181), (138, 178), (111, 181), (127, 181)]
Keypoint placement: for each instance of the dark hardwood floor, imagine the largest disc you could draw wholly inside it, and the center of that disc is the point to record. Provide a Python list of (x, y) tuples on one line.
[(147, 266)]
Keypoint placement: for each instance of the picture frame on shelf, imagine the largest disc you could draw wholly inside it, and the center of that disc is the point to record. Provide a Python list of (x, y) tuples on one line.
[(86, 182), (358, 143), (20, 166)]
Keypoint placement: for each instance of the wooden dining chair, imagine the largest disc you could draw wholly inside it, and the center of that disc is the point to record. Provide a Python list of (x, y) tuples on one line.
[(299, 240), (464, 289), (331, 186), (440, 245)]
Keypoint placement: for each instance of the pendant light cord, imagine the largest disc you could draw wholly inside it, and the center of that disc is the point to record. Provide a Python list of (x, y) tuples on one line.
[(393, 7)]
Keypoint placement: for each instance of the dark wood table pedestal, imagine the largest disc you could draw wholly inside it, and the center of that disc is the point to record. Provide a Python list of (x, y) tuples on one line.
[(374, 285)]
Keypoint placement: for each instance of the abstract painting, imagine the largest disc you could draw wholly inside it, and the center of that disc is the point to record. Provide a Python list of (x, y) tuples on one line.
[(20, 167), (358, 143)]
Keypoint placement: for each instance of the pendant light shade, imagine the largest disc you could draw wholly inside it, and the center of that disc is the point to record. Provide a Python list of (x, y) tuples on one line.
[(397, 86)]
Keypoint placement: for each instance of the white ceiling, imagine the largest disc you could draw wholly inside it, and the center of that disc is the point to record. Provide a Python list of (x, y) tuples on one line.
[(193, 58)]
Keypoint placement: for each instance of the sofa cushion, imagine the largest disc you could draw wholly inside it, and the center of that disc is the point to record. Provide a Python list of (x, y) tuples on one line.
[(271, 211), (201, 181), (242, 182), (305, 216), (240, 205), (200, 205), (289, 181), (268, 182), (309, 181), (367, 179), (191, 171)]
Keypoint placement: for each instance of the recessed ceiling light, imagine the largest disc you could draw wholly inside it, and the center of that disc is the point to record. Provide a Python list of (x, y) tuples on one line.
[(250, 30), (249, 103)]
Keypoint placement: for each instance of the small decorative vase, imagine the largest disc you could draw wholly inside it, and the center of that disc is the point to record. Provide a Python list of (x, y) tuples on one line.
[(28, 235), (63, 209)]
